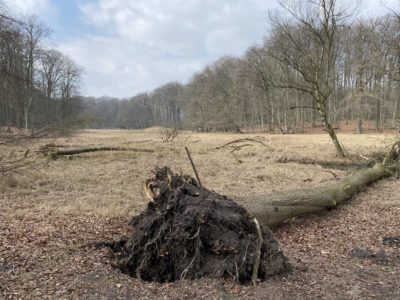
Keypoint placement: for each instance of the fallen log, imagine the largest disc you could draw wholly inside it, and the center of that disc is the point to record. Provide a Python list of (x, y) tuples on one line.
[(55, 153), (189, 232), (273, 209)]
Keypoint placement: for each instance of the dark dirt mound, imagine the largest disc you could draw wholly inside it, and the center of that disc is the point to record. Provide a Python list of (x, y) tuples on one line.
[(188, 232), (391, 241)]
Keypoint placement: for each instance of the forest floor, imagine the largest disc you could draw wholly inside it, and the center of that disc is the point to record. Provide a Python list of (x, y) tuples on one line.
[(51, 215)]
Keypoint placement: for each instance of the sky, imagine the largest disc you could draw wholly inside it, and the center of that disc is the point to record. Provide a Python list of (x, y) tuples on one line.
[(131, 46)]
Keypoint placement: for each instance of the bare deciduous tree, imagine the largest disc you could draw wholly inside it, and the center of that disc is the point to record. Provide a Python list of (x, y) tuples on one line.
[(306, 44)]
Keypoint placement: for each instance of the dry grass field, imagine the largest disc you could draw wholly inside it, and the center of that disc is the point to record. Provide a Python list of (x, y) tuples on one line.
[(51, 215)]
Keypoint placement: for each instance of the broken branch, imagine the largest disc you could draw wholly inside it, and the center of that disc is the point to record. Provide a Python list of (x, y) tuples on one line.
[(256, 264), (258, 139), (193, 166)]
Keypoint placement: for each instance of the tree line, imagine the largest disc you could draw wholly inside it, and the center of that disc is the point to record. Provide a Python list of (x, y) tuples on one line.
[(163, 107), (38, 85)]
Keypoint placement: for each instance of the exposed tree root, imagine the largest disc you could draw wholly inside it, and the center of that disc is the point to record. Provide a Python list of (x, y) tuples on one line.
[(188, 232)]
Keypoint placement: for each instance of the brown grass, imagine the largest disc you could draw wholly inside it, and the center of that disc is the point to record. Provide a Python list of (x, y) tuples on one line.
[(106, 186), (110, 183)]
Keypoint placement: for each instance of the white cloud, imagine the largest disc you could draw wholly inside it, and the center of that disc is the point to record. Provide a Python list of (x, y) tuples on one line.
[(117, 68), (146, 43), (35, 7), (379, 7), (136, 45), (176, 25)]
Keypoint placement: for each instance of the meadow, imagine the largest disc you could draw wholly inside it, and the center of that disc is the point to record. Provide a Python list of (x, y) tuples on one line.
[(51, 214)]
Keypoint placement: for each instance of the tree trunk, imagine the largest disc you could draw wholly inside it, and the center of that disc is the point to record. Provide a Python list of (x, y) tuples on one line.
[(275, 208), (54, 153), (262, 117), (333, 136), (314, 108), (396, 105), (329, 128), (26, 121), (359, 125), (378, 115)]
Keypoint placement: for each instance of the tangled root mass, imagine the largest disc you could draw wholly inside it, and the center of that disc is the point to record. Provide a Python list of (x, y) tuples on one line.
[(189, 232)]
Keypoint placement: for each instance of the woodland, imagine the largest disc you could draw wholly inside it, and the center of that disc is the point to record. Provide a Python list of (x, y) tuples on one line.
[(302, 74), (38, 84), (319, 65)]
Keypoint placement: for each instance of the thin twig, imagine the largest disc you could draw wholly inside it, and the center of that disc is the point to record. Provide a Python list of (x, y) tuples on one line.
[(193, 166)]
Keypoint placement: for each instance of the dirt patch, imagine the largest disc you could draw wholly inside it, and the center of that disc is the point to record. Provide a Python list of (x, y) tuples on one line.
[(377, 257), (188, 232)]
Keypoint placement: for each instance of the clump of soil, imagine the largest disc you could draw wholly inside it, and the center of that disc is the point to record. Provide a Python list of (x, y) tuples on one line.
[(189, 232), (379, 258)]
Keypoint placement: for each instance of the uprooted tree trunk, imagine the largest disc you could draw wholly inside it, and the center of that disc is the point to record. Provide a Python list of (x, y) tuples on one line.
[(275, 208), (188, 232)]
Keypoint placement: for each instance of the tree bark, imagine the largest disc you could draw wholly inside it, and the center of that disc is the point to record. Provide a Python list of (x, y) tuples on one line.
[(396, 106), (328, 126), (275, 208), (378, 115)]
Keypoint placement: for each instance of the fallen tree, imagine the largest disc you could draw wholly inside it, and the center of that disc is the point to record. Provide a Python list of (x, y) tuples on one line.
[(54, 153), (189, 232), (275, 208)]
